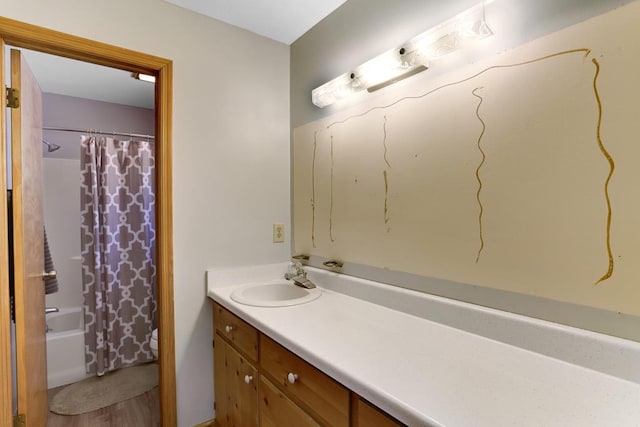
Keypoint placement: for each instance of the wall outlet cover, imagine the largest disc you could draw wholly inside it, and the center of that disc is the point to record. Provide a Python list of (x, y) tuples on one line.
[(278, 233)]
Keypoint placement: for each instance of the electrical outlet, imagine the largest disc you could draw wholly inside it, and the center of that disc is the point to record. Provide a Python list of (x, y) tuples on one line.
[(278, 233)]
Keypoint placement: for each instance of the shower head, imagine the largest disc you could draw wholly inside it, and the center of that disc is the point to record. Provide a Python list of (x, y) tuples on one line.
[(51, 147)]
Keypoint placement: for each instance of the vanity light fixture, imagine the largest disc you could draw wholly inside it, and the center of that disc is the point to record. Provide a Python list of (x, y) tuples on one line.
[(144, 77), (411, 58)]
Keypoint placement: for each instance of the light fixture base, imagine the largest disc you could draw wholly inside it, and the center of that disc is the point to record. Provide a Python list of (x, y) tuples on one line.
[(415, 70)]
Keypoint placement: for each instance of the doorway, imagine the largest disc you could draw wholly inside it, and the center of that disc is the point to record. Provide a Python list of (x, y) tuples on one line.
[(47, 41)]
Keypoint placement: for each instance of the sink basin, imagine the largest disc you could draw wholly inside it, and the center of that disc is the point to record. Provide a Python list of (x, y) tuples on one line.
[(277, 293)]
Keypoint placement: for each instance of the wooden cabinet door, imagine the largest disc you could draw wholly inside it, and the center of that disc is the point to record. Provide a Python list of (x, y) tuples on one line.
[(28, 236), (236, 389), (276, 410), (366, 415), (220, 381)]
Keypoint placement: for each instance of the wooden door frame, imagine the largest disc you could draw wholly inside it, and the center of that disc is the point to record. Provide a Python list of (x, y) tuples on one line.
[(32, 37)]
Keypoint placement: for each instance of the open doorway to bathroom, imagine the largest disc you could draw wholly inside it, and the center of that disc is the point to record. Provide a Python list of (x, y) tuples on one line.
[(98, 198), (40, 39), (94, 115)]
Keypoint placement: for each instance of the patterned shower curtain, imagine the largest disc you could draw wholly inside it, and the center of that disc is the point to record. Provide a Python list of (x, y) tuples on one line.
[(118, 251)]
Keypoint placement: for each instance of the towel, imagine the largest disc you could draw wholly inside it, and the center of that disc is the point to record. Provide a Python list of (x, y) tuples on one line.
[(50, 285)]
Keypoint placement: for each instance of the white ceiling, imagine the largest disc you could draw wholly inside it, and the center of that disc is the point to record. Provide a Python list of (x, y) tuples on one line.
[(281, 20), (84, 80)]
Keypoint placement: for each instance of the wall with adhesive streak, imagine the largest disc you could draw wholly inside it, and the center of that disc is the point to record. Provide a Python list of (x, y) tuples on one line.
[(512, 171)]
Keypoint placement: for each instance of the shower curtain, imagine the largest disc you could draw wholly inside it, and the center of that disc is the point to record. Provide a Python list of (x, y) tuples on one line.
[(118, 251)]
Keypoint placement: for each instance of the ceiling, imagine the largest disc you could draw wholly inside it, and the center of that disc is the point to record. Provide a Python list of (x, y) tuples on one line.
[(84, 80), (281, 20)]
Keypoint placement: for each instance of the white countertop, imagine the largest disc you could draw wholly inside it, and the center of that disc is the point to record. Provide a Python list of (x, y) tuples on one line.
[(428, 374)]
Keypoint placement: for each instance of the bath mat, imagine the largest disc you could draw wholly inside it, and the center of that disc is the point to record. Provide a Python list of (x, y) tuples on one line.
[(100, 392)]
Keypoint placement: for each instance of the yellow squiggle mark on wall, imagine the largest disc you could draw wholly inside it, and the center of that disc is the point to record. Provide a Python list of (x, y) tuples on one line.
[(313, 190), (484, 127), (585, 51), (386, 198), (612, 167), (331, 197), (385, 174), (384, 141)]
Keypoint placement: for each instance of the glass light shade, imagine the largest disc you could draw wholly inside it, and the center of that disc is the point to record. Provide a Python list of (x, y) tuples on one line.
[(389, 66), (144, 77), (412, 58), (336, 89), (453, 34)]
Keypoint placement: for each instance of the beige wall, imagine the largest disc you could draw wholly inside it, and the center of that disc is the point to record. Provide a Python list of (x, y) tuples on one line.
[(231, 151), (387, 182)]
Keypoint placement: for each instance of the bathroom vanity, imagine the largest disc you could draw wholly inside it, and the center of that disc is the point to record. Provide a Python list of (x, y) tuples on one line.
[(259, 382), (368, 354)]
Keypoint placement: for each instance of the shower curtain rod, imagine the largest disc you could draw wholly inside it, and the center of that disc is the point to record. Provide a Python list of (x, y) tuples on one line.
[(90, 131)]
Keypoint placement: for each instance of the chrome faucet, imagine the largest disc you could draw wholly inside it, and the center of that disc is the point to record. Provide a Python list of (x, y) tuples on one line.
[(295, 269), (298, 276)]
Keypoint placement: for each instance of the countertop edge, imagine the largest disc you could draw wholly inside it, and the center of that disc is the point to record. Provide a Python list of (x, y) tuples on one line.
[(384, 401)]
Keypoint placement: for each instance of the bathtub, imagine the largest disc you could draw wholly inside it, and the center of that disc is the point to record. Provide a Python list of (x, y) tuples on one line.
[(65, 347)]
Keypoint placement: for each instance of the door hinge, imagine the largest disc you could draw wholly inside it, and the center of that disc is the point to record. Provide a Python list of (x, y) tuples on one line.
[(20, 420), (13, 97)]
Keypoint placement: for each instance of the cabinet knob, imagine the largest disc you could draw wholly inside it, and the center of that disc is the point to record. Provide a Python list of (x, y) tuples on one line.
[(248, 379), (228, 329), (292, 378)]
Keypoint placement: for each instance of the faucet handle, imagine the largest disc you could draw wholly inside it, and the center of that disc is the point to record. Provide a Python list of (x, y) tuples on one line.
[(295, 268), (299, 270)]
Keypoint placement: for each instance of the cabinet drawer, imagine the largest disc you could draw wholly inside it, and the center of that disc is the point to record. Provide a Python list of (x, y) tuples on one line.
[(241, 334), (325, 399)]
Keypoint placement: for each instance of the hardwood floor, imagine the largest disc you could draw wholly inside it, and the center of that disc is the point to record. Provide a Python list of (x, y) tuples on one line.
[(139, 411)]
